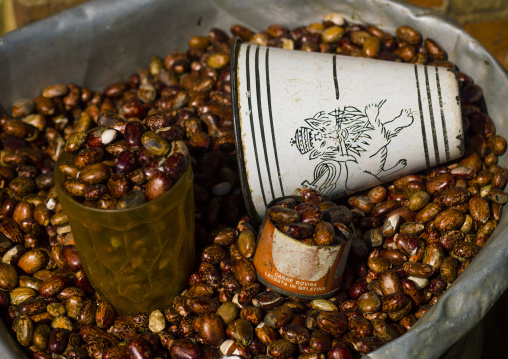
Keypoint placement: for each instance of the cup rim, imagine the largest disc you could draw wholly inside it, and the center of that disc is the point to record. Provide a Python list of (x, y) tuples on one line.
[(244, 182), (58, 176)]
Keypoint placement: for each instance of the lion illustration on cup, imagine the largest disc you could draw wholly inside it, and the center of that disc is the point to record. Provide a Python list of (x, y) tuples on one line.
[(349, 141)]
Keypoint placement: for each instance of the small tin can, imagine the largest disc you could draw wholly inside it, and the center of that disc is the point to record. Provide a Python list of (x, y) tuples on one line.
[(293, 268), (337, 124)]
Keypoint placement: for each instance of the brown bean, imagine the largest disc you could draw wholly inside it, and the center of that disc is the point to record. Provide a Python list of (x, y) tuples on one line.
[(95, 192), (383, 208), (281, 349), (497, 196), (406, 52), (225, 236), (434, 50), (496, 144), (390, 283), (76, 142), (295, 333), (252, 314), (422, 310), (465, 250), (287, 203), (369, 303), (323, 234), (228, 311), (184, 348), (383, 331), (449, 238), (58, 340), (449, 268), (88, 312), (333, 322), (241, 31), (23, 327), (428, 213), (395, 257), (371, 46), (104, 314), (418, 200), (362, 203), (320, 341), (439, 183), (418, 269), (500, 178), (32, 261), (125, 162), (449, 219), (88, 156), (265, 333), (21, 186), (211, 328), (311, 215), (95, 173), (283, 216), (434, 255), (453, 196), (247, 243), (8, 277), (337, 214), (157, 186), (240, 330), (394, 301), (408, 321), (202, 305), (245, 272), (278, 317), (479, 209), (118, 185), (379, 264), (360, 327), (53, 285), (75, 187), (407, 244), (396, 315), (108, 201), (267, 300), (408, 34), (298, 230)]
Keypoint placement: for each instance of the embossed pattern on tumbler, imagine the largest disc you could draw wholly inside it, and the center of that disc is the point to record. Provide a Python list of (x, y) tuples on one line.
[(138, 259)]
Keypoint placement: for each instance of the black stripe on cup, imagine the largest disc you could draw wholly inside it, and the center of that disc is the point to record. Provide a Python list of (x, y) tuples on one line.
[(261, 124), (253, 132), (335, 78), (420, 107), (234, 67), (431, 114), (443, 120), (268, 93)]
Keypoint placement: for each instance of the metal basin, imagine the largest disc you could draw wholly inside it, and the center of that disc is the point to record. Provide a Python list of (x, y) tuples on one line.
[(101, 42)]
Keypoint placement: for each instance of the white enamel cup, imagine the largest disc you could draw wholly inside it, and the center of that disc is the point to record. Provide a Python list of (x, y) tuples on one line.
[(335, 123)]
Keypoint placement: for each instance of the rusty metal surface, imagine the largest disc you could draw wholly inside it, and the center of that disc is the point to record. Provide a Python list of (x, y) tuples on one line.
[(290, 267), (104, 41)]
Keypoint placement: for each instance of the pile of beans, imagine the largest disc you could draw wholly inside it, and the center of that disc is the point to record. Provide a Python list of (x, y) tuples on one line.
[(312, 221), (413, 236), (124, 164)]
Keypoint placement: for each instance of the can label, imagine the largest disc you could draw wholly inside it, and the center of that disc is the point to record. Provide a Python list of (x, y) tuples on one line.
[(293, 268)]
